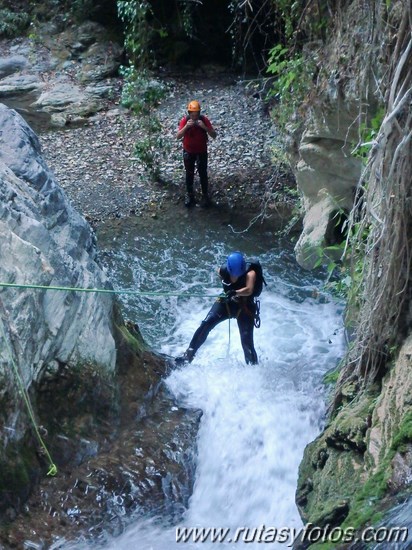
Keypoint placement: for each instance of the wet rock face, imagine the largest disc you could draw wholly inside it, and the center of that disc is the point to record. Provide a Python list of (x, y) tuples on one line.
[(43, 241), (140, 461), (333, 466), (121, 445), (367, 444)]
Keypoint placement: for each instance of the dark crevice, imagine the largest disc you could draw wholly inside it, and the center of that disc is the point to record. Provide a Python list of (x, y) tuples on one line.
[(336, 231)]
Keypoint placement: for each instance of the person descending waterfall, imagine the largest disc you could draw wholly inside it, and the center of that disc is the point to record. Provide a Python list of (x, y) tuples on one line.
[(242, 284), (194, 130)]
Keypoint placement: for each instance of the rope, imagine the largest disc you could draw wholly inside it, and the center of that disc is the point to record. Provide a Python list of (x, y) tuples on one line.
[(107, 290), (52, 467), (228, 345)]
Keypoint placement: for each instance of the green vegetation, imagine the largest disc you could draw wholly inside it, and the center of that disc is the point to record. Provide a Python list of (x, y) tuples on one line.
[(293, 74), (363, 509), (19, 17), (142, 93), (292, 65), (134, 340), (368, 132), (331, 377), (337, 281), (363, 502), (13, 23), (135, 16), (403, 437)]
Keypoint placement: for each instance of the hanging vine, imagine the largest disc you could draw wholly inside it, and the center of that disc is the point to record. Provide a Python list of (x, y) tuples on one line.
[(382, 224)]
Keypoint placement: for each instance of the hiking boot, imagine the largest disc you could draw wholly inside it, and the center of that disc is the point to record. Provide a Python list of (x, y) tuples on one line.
[(187, 357), (204, 201), (190, 201)]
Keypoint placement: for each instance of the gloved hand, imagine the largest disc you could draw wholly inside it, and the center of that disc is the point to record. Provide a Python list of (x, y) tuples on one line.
[(230, 295)]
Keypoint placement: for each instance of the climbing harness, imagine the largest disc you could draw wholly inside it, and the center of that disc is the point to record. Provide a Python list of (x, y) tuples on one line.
[(255, 315), (256, 320)]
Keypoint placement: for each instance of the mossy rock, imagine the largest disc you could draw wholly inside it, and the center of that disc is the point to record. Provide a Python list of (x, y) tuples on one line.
[(332, 468), (403, 436)]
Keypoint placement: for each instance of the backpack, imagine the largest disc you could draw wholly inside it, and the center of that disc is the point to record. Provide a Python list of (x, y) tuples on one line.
[(256, 266)]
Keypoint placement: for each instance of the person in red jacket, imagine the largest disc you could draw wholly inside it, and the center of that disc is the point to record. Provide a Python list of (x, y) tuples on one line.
[(194, 130)]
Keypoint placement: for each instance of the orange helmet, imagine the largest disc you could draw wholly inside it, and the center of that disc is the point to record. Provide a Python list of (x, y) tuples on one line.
[(193, 106)]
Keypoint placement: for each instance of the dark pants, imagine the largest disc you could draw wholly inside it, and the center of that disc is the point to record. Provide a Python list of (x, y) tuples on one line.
[(190, 160), (244, 313)]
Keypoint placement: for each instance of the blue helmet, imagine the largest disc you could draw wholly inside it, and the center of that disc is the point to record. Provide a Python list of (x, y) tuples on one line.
[(236, 264)]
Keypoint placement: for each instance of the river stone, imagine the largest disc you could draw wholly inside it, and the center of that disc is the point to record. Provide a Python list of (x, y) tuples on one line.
[(20, 84), (59, 96), (67, 102), (100, 61), (66, 62)]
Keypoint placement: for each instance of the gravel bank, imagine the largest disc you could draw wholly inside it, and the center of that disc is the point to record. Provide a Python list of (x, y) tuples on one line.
[(95, 164)]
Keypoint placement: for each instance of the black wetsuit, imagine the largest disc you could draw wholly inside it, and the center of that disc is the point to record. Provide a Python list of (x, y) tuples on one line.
[(243, 309)]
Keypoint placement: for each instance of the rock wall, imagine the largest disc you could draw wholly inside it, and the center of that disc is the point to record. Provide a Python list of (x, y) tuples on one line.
[(349, 90), (389, 437), (360, 465), (95, 389), (43, 241), (327, 174), (67, 80)]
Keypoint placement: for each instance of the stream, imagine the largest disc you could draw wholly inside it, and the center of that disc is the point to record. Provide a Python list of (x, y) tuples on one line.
[(256, 420)]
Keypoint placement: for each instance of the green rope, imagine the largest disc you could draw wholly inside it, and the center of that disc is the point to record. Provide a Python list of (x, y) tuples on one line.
[(107, 290), (52, 467)]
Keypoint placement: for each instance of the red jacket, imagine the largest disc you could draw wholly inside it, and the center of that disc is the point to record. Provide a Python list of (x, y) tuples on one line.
[(195, 139)]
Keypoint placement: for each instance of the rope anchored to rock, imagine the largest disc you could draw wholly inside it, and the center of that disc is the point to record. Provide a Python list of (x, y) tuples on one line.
[(52, 471)]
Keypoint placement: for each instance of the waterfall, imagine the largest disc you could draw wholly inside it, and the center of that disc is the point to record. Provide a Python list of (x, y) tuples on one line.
[(256, 419)]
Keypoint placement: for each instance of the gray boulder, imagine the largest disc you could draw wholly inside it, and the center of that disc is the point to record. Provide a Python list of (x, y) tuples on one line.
[(44, 241), (12, 64), (66, 77)]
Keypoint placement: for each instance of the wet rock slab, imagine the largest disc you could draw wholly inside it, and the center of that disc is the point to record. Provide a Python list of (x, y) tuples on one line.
[(146, 469)]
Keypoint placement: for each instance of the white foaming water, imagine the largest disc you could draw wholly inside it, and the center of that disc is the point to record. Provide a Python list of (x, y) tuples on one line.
[(256, 420)]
